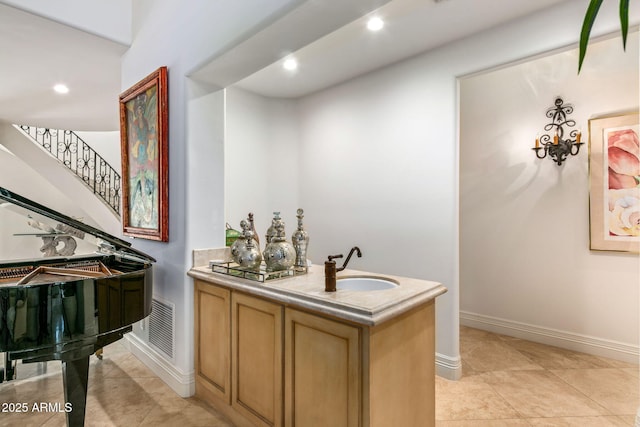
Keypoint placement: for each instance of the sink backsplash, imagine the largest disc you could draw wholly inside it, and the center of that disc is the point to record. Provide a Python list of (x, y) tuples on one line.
[(201, 257)]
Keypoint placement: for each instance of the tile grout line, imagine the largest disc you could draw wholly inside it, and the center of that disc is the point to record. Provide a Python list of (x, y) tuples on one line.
[(610, 412), (549, 371)]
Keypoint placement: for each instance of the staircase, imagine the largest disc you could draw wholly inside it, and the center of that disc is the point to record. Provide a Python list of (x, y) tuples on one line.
[(31, 170), (77, 156)]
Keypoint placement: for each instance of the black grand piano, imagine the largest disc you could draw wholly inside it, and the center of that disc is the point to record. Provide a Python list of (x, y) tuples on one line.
[(56, 305)]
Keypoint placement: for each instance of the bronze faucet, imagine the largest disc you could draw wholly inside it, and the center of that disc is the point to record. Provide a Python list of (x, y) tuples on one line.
[(330, 269)]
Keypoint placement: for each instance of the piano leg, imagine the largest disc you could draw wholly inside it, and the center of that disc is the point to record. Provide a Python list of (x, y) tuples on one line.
[(9, 368), (75, 374)]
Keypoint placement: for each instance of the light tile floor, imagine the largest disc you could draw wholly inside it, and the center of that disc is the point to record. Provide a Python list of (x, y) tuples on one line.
[(122, 391), (511, 382), (506, 382)]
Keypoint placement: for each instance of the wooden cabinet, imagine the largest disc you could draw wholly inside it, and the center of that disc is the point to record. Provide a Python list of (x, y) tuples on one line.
[(322, 372), (263, 363), (256, 348), (400, 370), (212, 341), (238, 355)]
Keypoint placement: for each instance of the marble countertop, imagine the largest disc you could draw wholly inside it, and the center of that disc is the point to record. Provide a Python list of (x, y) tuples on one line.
[(307, 291)]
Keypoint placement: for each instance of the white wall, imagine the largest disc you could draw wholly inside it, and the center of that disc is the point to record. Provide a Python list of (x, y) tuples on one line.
[(378, 170), (182, 38), (379, 157), (167, 33), (19, 177), (14, 247), (261, 160), (525, 261)]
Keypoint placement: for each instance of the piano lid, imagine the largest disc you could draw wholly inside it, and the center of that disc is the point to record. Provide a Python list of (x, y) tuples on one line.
[(31, 230)]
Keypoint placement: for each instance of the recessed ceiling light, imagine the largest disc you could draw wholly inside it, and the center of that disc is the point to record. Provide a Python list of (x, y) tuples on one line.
[(290, 64), (375, 24), (61, 88)]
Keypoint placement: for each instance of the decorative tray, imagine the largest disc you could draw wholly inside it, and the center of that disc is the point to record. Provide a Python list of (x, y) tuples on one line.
[(231, 268)]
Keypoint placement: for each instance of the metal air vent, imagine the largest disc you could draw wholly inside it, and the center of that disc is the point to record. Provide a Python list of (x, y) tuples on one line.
[(161, 326)]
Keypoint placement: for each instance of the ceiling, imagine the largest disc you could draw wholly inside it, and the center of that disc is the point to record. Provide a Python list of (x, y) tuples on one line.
[(37, 53), (411, 27)]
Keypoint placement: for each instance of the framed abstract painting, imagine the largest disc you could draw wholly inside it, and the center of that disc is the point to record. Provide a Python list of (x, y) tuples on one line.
[(614, 175), (145, 164)]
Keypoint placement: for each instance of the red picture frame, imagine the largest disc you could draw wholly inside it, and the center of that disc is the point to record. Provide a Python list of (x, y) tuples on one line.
[(145, 163)]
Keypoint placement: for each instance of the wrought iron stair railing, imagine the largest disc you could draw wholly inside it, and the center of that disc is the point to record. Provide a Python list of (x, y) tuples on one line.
[(82, 160)]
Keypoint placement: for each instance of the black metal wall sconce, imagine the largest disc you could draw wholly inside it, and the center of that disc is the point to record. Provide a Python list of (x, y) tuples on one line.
[(557, 147)]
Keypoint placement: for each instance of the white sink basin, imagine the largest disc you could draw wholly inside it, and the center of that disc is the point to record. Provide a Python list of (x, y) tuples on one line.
[(365, 283)]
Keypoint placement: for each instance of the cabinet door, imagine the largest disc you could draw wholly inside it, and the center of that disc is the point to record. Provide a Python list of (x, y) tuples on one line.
[(402, 370), (322, 372), (212, 344), (256, 343)]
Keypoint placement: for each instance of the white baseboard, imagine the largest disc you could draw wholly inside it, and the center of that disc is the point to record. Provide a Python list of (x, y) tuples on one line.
[(638, 418), (448, 367), (583, 343), (182, 383)]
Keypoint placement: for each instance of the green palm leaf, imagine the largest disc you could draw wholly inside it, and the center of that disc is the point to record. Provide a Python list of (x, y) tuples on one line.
[(589, 18), (624, 21)]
